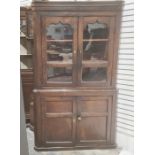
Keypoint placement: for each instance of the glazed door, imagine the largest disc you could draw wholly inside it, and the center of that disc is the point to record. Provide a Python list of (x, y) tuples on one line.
[(59, 46), (94, 120), (95, 43)]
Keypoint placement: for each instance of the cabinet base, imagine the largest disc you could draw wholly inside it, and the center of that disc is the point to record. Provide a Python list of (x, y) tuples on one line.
[(74, 148)]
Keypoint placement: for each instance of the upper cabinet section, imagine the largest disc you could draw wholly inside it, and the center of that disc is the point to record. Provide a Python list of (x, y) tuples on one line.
[(76, 43), (77, 50)]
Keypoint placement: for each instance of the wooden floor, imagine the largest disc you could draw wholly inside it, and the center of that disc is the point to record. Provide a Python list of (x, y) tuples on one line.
[(30, 136)]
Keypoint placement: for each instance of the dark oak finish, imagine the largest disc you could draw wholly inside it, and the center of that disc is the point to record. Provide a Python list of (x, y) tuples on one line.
[(93, 120), (75, 74)]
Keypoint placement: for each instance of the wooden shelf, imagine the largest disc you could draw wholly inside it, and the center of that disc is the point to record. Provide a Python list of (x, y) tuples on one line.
[(25, 69), (95, 39), (29, 38), (25, 54), (59, 63), (59, 40), (28, 71), (24, 36), (94, 63)]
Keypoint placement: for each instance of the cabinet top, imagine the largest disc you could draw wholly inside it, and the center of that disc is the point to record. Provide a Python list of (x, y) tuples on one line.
[(77, 5)]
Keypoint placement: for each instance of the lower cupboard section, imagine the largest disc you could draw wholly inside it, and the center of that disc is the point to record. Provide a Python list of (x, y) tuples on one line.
[(74, 121)]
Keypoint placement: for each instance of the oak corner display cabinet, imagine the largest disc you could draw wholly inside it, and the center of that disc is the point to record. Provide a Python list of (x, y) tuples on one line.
[(75, 57)]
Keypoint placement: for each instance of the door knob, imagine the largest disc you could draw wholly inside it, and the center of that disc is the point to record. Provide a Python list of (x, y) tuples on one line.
[(79, 118)]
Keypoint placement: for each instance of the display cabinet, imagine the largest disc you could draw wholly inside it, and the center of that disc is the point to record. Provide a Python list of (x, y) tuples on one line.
[(26, 51), (75, 61)]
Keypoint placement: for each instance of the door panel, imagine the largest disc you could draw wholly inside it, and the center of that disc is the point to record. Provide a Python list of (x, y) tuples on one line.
[(95, 42), (59, 107), (59, 130), (59, 46), (98, 106), (58, 121), (92, 129), (93, 121)]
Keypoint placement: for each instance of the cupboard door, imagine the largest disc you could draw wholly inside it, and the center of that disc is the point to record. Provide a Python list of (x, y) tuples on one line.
[(58, 121), (95, 50), (59, 46), (93, 121)]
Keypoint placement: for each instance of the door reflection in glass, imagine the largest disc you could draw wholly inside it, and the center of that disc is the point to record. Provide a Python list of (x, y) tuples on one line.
[(59, 42), (94, 74), (59, 31), (57, 74), (94, 42)]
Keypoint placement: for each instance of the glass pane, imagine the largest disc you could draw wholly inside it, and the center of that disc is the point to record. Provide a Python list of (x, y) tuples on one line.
[(59, 51), (95, 31), (95, 41), (26, 62), (57, 74), (59, 42), (59, 32), (94, 74), (94, 50)]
